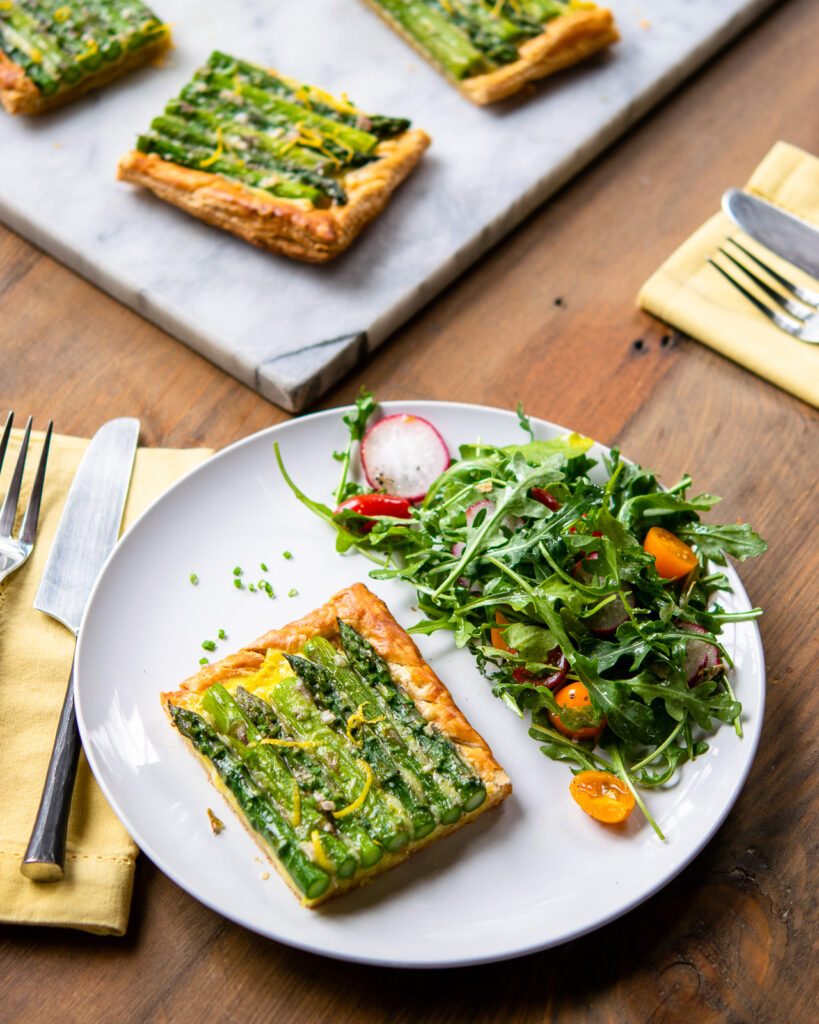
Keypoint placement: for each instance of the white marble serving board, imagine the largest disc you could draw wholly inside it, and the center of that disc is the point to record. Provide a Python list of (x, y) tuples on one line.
[(290, 330)]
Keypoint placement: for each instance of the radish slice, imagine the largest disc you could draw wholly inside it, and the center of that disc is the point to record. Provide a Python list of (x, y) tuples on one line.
[(701, 658), (403, 455), (605, 622), (511, 523), (473, 510)]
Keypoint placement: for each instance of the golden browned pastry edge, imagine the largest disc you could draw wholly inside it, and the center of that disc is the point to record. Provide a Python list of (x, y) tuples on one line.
[(367, 614), (291, 227), (565, 40), (19, 94)]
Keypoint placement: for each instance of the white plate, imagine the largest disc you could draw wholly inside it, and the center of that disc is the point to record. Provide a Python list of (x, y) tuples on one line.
[(532, 874)]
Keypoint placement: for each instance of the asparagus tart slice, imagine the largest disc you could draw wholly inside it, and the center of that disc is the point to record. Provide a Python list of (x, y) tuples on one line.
[(337, 745), (52, 50), (283, 165), (491, 50)]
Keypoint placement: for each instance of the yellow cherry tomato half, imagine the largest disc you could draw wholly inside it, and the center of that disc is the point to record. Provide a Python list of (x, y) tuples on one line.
[(673, 558), (497, 634), (602, 795), (575, 696)]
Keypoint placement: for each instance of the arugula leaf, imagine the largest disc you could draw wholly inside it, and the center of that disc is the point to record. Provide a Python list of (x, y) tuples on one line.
[(525, 424), (661, 508), (714, 542), (538, 452), (356, 424)]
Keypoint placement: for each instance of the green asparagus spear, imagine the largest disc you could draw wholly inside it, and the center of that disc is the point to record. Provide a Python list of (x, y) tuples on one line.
[(270, 771), (381, 759), (386, 820), (259, 810), (311, 774), (436, 33), (373, 670), (205, 159), (418, 771)]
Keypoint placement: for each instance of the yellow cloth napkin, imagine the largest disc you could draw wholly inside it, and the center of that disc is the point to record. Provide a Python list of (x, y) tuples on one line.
[(689, 294), (35, 660)]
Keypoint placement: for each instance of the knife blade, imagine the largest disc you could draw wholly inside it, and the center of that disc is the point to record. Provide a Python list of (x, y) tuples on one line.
[(793, 239), (86, 535)]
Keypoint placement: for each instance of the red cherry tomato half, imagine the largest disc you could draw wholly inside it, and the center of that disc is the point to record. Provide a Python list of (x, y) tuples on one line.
[(373, 505)]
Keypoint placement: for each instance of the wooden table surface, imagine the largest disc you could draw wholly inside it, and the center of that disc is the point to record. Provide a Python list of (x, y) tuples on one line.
[(548, 317)]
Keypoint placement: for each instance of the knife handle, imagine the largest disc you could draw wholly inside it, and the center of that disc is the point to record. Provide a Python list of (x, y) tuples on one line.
[(45, 857)]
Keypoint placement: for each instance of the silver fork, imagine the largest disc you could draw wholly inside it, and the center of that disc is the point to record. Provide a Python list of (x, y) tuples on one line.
[(15, 550), (801, 307)]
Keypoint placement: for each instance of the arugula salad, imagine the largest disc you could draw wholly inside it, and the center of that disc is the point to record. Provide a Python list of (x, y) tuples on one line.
[(590, 601)]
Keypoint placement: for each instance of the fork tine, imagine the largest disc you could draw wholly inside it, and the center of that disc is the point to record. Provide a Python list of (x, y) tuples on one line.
[(803, 294), (4, 443), (29, 528), (782, 322), (9, 509), (797, 310)]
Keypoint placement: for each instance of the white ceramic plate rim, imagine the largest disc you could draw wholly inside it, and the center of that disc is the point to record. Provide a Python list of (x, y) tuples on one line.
[(418, 407)]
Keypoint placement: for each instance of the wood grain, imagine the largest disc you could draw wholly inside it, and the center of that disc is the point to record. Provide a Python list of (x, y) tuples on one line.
[(734, 938)]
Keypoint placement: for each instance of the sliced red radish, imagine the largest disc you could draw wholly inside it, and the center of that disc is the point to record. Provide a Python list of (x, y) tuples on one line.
[(473, 510), (403, 455), (702, 660), (511, 523)]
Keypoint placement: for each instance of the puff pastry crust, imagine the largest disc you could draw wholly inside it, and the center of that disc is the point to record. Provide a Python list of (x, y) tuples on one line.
[(292, 227), (564, 41), (370, 617), (19, 94)]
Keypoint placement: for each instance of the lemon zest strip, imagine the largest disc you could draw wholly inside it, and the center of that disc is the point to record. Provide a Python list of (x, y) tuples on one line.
[(357, 718), (362, 796), (216, 155), (320, 856)]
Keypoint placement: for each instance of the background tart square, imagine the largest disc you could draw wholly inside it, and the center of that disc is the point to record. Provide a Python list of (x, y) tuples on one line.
[(566, 38), (52, 51), (281, 164)]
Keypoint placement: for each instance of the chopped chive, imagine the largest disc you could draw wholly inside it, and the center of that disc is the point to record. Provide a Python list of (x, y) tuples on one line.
[(203, 661), (237, 571), (263, 567), (252, 588), (208, 645), (292, 592), (238, 583), (222, 634), (287, 554), (193, 578)]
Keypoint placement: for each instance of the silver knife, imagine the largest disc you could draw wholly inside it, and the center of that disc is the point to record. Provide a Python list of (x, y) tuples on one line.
[(87, 533), (793, 239)]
